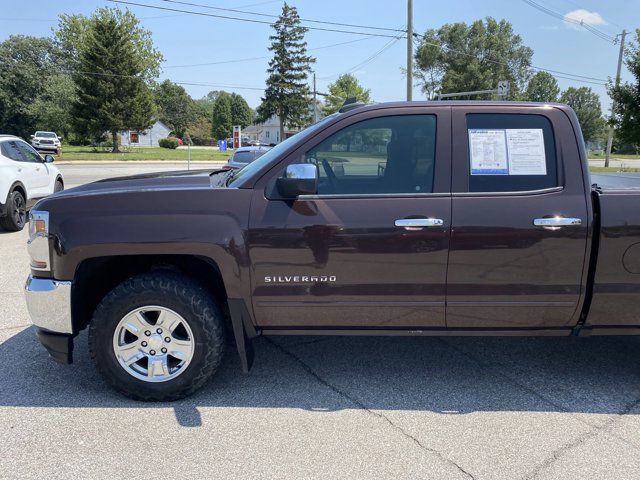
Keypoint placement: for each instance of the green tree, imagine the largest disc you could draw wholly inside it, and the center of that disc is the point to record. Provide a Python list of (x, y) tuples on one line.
[(51, 109), (175, 107), (241, 112), (25, 65), (287, 93), (458, 57), (115, 61), (344, 87), (586, 103), (542, 87), (627, 98), (221, 120)]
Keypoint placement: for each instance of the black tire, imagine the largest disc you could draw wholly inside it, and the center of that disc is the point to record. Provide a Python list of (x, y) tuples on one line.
[(16, 216), (58, 187), (183, 296)]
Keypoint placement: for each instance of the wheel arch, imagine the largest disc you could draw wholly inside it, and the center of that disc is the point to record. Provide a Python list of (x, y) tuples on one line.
[(19, 186), (97, 276)]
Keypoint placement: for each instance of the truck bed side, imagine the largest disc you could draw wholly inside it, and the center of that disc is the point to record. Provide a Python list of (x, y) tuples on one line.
[(615, 304)]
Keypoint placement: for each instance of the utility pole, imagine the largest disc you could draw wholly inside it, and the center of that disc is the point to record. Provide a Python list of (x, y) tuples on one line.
[(315, 104), (409, 50), (613, 103)]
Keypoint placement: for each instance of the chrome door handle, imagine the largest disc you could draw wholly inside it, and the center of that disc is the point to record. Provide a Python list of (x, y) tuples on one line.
[(419, 222), (557, 222)]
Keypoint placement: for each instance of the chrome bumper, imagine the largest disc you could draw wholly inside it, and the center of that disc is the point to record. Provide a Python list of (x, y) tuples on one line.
[(49, 304)]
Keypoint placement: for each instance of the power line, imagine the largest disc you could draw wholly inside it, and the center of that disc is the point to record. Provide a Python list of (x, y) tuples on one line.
[(598, 33), (250, 20), (368, 60), (263, 57), (235, 10)]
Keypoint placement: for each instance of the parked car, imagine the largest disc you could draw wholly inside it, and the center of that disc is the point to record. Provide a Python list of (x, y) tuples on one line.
[(483, 221), (25, 177), (245, 155), (46, 142)]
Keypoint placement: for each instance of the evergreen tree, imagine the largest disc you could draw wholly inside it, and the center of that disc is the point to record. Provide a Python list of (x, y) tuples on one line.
[(241, 112), (287, 93), (115, 61), (222, 121)]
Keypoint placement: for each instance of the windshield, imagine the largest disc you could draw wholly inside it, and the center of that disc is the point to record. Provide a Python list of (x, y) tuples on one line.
[(45, 134), (272, 154)]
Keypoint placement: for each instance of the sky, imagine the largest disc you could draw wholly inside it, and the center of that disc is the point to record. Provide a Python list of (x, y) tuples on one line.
[(194, 46)]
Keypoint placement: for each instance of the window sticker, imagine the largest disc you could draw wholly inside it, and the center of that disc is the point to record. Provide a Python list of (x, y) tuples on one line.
[(488, 150), (512, 151), (525, 148)]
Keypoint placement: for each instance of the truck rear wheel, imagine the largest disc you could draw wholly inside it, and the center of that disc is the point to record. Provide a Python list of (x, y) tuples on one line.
[(157, 336)]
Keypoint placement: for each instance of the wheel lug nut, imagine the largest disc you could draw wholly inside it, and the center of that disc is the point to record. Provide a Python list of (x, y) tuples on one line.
[(147, 333), (159, 330), (164, 350), (144, 344), (168, 339), (152, 352)]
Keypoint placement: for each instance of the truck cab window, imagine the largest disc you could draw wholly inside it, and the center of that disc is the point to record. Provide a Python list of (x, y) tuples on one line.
[(510, 153), (393, 154)]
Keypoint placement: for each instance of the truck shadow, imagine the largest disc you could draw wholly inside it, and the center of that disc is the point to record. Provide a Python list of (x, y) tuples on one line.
[(450, 376)]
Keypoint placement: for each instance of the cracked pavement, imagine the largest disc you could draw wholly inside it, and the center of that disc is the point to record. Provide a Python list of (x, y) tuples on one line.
[(328, 407)]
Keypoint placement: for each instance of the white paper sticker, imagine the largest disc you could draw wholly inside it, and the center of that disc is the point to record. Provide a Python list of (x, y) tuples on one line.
[(525, 151), (488, 152)]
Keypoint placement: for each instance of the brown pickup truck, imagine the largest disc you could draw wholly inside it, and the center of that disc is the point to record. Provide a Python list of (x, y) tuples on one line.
[(461, 218)]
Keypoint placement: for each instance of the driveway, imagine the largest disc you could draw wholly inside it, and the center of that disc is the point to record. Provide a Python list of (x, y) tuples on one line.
[(327, 407)]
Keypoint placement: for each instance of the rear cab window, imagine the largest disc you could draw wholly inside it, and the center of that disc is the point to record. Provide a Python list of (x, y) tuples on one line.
[(510, 152)]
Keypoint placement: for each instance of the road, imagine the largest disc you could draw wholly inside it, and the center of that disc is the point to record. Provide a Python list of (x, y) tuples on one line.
[(312, 407)]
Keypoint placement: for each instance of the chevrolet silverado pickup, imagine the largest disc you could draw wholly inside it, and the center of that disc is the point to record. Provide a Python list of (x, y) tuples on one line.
[(421, 218)]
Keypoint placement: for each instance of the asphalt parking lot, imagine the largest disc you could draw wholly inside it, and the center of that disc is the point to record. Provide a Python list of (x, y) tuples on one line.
[(429, 408)]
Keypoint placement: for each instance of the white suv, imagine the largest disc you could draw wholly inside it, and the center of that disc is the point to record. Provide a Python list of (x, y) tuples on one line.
[(46, 141), (24, 177)]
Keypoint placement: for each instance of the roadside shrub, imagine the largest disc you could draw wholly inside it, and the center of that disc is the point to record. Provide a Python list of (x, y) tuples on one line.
[(171, 143)]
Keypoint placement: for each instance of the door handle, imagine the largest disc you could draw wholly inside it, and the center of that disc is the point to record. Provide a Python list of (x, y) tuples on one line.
[(419, 222), (554, 222)]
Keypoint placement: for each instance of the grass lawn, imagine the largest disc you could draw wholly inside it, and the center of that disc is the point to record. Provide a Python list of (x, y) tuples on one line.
[(596, 156), (613, 170), (70, 152)]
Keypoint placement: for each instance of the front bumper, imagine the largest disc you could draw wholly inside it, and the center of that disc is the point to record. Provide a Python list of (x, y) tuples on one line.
[(49, 305)]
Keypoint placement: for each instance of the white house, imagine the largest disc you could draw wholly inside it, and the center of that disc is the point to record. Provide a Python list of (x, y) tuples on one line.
[(146, 138), (269, 131)]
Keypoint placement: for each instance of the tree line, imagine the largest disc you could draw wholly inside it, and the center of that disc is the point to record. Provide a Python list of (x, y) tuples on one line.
[(98, 75)]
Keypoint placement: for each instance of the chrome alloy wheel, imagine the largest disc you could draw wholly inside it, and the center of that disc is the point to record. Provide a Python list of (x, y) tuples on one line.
[(153, 344)]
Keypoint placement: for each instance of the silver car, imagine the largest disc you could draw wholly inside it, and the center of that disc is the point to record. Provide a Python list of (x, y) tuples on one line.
[(244, 155)]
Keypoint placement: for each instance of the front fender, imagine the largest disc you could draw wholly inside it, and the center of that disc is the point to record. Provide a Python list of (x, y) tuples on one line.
[(207, 222)]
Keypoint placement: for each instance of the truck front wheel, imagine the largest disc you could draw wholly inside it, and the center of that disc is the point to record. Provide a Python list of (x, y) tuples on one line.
[(157, 336)]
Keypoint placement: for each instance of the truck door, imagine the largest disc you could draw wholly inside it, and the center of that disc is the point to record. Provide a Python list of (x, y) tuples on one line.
[(519, 229), (370, 249)]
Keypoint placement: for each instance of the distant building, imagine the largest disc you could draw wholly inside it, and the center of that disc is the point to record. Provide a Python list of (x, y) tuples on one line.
[(269, 131), (145, 138)]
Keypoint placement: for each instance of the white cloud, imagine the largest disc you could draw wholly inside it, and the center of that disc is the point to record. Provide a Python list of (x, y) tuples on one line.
[(583, 16)]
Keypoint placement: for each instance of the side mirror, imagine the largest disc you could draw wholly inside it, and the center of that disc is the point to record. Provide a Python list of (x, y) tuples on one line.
[(31, 136), (48, 159), (298, 179)]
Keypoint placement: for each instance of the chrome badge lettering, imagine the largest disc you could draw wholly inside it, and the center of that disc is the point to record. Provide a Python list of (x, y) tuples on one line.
[(299, 278)]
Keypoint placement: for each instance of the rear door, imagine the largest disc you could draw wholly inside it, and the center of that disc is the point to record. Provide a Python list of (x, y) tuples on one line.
[(519, 229), (370, 249)]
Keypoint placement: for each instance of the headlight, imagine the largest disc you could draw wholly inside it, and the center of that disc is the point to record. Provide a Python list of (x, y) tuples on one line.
[(38, 244)]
